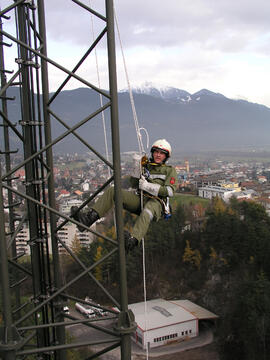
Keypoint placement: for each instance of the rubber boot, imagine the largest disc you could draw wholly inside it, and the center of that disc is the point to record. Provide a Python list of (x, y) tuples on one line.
[(86, 218)]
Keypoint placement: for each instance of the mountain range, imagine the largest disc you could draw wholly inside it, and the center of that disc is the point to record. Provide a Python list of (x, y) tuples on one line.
[(190, 122)]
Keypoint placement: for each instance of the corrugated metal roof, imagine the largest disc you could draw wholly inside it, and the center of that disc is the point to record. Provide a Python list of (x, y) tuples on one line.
[(196, 310), (161, 313)]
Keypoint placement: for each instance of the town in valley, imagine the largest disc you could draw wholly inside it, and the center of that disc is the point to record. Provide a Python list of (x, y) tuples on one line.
[(77, 176)]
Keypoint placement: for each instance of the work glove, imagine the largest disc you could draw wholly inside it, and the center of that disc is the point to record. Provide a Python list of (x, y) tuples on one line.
[(130, 242), (150, 188)]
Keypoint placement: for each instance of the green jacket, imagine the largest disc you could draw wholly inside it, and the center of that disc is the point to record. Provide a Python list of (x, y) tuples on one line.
[(164, 175)]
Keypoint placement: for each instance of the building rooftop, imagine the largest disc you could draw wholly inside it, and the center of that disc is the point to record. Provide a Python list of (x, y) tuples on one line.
[(199, 312), (161, 313), (217, 188)]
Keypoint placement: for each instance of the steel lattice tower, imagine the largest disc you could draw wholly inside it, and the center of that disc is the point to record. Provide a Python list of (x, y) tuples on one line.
[(37, 326)]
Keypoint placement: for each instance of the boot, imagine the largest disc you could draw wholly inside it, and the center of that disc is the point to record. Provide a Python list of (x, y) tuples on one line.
[(86, 218), (130, 242)]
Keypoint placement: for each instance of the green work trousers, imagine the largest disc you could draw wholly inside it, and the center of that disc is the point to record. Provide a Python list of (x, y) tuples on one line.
[(131, 202)]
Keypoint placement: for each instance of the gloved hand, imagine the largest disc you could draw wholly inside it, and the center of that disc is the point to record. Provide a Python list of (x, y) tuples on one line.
[(144, 160), (150, 188), (130, 242)]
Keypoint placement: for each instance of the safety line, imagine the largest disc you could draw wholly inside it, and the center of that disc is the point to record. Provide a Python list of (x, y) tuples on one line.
[(142, 152), (136, 122)]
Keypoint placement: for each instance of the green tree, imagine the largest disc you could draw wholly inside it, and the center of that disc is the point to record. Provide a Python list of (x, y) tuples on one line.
[(248, 326), (75, 245), (98, 268), (191, 256)]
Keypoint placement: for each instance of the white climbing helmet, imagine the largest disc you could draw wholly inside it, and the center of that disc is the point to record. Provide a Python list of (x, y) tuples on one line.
[(162, 145)]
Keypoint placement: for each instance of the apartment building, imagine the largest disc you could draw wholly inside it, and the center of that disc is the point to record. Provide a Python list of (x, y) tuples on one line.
[(66, 236)]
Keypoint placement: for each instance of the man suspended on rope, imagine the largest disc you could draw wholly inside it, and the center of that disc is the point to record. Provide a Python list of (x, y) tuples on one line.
[(155, 179)]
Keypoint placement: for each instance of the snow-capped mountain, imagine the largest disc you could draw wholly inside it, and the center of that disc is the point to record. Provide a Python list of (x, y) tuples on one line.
[(191, 122), (205, 92), (170, 93), (159, 91)]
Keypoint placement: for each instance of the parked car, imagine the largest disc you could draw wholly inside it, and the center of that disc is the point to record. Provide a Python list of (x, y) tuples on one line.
[(98, 311)]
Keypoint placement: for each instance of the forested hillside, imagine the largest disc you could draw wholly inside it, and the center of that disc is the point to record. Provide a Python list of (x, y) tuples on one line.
[(212, 253), (221, 263)]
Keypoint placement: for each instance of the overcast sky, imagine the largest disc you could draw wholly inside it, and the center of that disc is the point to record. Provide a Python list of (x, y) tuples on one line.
[(220, 45)]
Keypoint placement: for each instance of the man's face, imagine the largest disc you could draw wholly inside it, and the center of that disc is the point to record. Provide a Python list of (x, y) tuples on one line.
[(159, 156)]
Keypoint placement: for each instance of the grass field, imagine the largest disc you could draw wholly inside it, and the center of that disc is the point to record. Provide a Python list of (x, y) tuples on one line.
[(187, 199)]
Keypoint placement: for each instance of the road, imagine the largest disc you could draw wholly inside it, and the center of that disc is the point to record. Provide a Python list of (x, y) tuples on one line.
[(83, 332)]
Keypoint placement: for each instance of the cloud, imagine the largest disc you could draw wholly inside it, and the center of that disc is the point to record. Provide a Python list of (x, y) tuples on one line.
[(222, 45), (178, 22), (215, 24)]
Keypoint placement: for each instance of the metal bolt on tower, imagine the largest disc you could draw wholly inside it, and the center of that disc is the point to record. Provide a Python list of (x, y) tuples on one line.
[(36, 325)]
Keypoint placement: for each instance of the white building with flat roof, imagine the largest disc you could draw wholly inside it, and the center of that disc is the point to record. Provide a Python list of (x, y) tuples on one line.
[(208, 192), (166, 322)]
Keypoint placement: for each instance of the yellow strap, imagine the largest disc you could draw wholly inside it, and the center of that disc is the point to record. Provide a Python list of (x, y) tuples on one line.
[(155, 197), (151, 163)]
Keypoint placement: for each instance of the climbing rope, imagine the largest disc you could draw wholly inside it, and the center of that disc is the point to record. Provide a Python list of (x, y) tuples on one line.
[(135, 117), (142, 152), (140, 145)]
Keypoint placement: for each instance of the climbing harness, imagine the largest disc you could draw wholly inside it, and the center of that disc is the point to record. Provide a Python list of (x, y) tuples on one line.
[(165, 203), (167, 212)]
